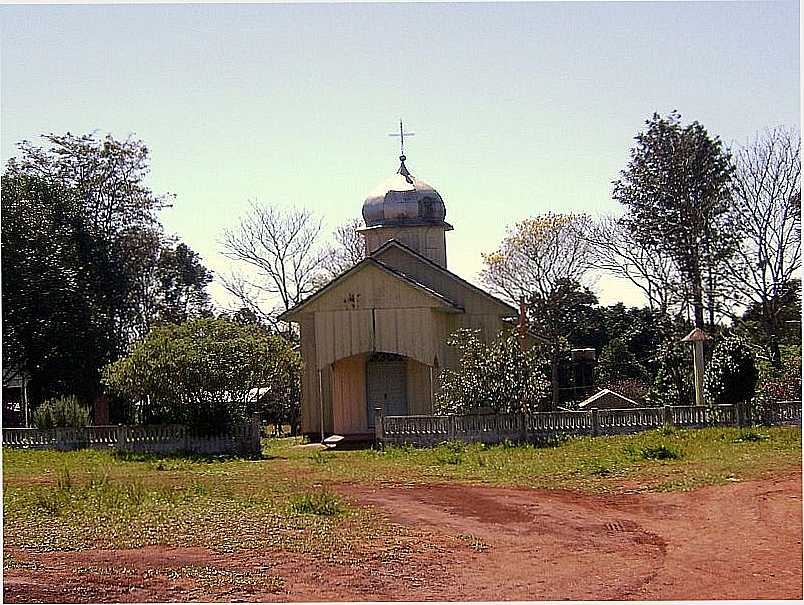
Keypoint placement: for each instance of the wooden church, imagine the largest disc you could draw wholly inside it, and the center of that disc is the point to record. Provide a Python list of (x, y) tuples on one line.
[(375, 336)]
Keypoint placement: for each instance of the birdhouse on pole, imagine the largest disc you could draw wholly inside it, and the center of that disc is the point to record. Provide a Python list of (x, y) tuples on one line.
[(697, 338)]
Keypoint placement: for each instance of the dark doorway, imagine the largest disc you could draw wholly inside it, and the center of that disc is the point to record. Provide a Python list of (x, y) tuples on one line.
[(386, 385)]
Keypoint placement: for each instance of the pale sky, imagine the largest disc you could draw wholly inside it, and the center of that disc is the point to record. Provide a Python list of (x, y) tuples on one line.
[(518, 108)]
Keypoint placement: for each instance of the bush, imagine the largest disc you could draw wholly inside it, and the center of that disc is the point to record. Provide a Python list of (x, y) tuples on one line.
[(499, 375), (202, 372), (61, 412), (731, 376)]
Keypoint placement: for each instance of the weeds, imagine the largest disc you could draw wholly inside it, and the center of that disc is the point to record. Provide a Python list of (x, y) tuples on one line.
[(749, 435), (660, 452), (321, 503)]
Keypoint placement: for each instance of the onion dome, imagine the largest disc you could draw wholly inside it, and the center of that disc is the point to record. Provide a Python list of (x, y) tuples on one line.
[(403, 200)]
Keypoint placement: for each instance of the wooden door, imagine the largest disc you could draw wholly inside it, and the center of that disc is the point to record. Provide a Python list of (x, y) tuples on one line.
[(386, 385)]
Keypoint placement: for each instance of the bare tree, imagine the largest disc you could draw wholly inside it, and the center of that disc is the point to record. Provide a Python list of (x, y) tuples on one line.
[(348, 250), (280, 247), (615, 249), (767, 200)]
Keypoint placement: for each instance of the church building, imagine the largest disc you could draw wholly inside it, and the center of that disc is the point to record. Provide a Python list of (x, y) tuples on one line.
[(375, 336)]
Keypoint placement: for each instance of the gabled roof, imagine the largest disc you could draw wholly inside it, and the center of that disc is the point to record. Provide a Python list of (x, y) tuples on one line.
[(440, 298), (396, 243), (589, 403)]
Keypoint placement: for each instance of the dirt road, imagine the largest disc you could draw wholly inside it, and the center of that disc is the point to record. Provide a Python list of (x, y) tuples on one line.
[(739, 541)]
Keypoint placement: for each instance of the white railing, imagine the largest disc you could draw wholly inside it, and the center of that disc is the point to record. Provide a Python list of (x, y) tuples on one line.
[(243, 439), (495, 428)]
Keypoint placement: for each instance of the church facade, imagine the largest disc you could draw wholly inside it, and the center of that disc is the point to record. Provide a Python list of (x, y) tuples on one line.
[(375, 336)]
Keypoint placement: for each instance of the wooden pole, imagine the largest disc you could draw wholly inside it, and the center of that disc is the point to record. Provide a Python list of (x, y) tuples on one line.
[(698, 355), (696, 338), (320, 405)]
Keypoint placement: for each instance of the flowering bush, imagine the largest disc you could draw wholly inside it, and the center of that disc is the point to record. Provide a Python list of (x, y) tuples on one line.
[(500, 375)]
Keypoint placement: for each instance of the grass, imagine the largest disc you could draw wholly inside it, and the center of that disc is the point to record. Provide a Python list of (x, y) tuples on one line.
[(289, 500), (659, 460)]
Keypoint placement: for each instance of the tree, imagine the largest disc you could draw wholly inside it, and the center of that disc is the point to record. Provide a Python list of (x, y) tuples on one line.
[(615, 249), (83, 247), (731, 376), (203, 372), (541, 262), (106, 174), (767, 203), (677, 189), (55, 306), (501, 375), (348, 249), (281, 249)]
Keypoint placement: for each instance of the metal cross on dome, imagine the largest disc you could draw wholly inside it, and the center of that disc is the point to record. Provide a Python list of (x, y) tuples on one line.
[(401, 134)]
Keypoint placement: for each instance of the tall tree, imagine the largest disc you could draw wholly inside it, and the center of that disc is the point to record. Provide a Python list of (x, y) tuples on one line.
[(677, 190), (83, 245), (767, 202), (281, 249), (541, 262), (54, 305)]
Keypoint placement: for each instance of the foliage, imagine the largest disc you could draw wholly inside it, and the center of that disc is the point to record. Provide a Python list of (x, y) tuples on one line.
[(536, 254), (781, 384), (499, 375), (201, 372), (61, 412), (55, 302), (280, 400), (86, 267), (731, 375), (617, 362), (673, 382), (676, 189)]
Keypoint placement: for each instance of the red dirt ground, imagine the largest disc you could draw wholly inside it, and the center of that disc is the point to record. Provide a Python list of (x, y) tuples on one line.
[(740, 541)]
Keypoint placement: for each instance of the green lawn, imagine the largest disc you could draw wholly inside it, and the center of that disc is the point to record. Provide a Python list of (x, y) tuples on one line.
[(88, 499)]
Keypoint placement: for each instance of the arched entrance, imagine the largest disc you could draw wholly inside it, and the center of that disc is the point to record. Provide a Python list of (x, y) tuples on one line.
[(386, 385)]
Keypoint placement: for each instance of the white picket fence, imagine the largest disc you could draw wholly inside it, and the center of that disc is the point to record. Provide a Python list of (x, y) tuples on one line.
[(496, 428), (241, 440)]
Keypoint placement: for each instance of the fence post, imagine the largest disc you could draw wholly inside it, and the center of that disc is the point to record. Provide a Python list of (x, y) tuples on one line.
[(523, 427), (668, 416), (451, 429), (122, 433), (379, 428), (738, 414), (595, 422)]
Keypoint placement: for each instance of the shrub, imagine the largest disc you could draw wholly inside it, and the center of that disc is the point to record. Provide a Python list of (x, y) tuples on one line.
[(499, 375), (731, 376), (61, 412)]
